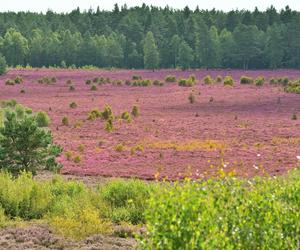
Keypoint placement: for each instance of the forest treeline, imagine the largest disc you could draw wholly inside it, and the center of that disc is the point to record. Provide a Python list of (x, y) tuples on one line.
[(151, 37)]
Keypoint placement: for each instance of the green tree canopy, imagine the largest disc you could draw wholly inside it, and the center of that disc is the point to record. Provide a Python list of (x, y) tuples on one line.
[(151, 55)]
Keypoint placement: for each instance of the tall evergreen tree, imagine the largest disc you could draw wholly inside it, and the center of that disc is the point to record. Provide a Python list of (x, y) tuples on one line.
[(151, 54)]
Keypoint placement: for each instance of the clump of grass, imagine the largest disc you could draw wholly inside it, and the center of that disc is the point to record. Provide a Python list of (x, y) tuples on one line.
[(88, 82), (126, 116), (9, 82), (94, 114), (109, 126), (189, 82), (259, 81), (69, 82), (157, 83), (94, 87), (47, 80), (68, 155), (294, 116), (246, 80), (71, 87), (170, 78), (228, 81), (73, 105), (81, 148), (119, 147), (135, 111), (18, 80), (77, 159), (208, 80), (42, 119), (136, 77), (219, 79), (65, 121), (137, 148), (191, 98)]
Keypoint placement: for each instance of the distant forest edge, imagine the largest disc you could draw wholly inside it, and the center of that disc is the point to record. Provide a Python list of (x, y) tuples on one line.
[(151, 37)]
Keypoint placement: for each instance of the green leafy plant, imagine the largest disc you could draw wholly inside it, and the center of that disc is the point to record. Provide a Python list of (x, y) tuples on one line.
[(25, 146), (42, 119), (135, 111)]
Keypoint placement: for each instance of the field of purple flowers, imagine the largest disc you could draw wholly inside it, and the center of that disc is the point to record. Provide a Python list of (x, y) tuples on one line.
[(242, 130)]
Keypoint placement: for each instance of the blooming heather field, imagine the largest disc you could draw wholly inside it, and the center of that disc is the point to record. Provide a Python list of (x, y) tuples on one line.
[(244, 130)]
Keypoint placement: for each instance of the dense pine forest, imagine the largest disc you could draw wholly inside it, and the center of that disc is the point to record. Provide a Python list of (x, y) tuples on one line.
[(151, 37)]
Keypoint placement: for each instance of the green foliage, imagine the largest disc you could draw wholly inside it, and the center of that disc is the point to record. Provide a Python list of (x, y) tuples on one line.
[(109, 126), (25, 146), (157, 83), (42, 119), (151, 54), (47, 80), (107, 113), (260, 213), (208, 80), (135, 111), (187, 82), (259, 81), (18, 80), (293, 87), (219, 79), (119, 147), (126, 116), (170, 78), (167, 38), (9, 82), (94, 87), (73, 105), (94, 114), (71, 87), (136, 77), (246, 80), (3, 65), (65, 121), (185, 55), (228, 81), (125, 200), (294, 116)]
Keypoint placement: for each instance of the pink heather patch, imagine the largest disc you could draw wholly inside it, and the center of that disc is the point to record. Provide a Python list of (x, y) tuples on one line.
[(257, 132)]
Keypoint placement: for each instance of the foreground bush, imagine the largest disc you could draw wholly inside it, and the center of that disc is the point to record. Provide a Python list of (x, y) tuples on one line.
[(71, 208), (25, 146), (225, 214), (125, 200)]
